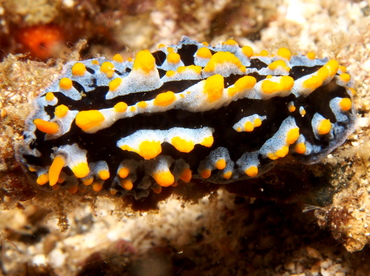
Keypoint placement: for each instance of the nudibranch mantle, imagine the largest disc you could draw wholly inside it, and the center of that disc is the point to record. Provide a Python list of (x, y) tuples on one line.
[(186, 111)]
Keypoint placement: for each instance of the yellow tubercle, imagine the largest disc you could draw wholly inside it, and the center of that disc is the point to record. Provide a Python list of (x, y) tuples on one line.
[(144, 61), (257, 122), (345, 104), (123, 172), (345, 77), (241, 85), (104, 174), (81, 170), (279, 64), (61, 111), (170, 73), (186, 175), (182, 145), (292, 136), (311, 55), (324, 127), (251, 171), (214, 87), (248, 126), (46, 126), (264, 53), (165, 98), (223, 57), (97, 186), (114, 84), (230, 42), (207, 142), (42, 179), (120, 107), (220, 164), (227, 175), (117, 58), (142, 104), (285, 83), (78, 69), (300, 148), (247, 51), (95, 62), (65, 83), (173, 58), (149, 149), (88, 181), (164, 178), (56, 168), (49, 96), (108, 69), (204, 53), (89, 119), (127, 184), (206, 173), (282, 152), (332, 66), (284, 53)]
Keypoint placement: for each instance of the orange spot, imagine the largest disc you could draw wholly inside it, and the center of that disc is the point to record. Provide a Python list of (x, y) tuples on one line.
[(324, 127), (221, 164), (345, 104), (127, 184), (186, 175), (252, 171), (300, 148), (164, 178), (206, 173), (46, 126), (149, 149)]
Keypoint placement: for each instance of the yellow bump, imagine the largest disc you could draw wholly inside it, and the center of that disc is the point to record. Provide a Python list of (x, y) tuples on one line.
[(206, 173), (311, 55), (173, 58), (204, 53), (46, 126), (282, 152), (164, 178), (324, 127), (107, 68), (248, 126), (81, 170), (142, 104), (65, 83), (113, 191), (214, 87), (114, 84), (88, 181), (170, 73), (170, 50), (49, 96), (104, 174), (247, 51), (300, 148), (89, 119), (239, 129), (223, 57), (302, 111), (230, 42), (42, 179), (182, 145), (161, 45), (186, 175), (342, 68), (144, 61), (242, 84), (332, 66), (149, 149), (345, 77), (221, 164), (132, 108), (291, 107), (164, 99), (156, 189), (56, 168), (264, 53), (73, 189), (292, 135), (97, 187), (78, 69), (285, 53), (252, 171), (117, 58), (279, 64), (285, 83), (257, 122), (205, 43), (127, 184), (227, 175), (272, 156), (61, 111), (31, 169), (345, 104), (207, 142), (95, 62), (123, 172), (120, 107)]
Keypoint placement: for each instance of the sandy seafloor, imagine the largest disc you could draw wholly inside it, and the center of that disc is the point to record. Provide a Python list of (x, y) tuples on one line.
[(213, 232)]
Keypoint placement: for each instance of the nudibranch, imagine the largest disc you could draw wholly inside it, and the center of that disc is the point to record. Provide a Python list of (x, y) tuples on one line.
[(186, 111)]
